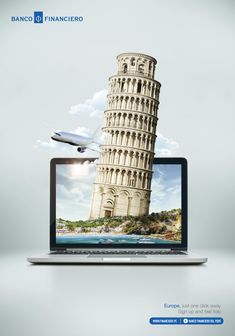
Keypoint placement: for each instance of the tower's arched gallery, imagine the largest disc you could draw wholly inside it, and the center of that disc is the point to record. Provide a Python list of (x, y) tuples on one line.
[(124, 170)]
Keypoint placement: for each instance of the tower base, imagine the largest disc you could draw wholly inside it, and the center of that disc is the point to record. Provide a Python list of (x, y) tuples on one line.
[(112, 200)]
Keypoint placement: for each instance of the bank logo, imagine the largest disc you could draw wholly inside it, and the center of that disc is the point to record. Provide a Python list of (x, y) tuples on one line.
[(38, 17)]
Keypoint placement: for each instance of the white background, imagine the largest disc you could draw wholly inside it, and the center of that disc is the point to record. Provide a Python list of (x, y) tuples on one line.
[(44, 70)]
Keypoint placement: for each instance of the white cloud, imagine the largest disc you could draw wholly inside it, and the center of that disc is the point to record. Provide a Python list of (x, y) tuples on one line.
[(94, 106), (79, 172), (81, 130), (175, 189), (45, 145), (166, 146), (64, 193), (158, 189)]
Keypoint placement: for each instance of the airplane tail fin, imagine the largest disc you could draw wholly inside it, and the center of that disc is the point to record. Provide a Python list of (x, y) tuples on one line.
[(94, 135)]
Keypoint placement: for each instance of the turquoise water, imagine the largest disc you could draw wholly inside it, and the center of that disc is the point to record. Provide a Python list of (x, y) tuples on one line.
[(122, 239)]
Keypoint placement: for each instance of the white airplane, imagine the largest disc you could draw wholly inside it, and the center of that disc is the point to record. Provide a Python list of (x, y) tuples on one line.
[(82, 142)]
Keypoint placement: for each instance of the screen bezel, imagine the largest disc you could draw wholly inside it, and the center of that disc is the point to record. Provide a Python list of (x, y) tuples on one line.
[(184, 206)]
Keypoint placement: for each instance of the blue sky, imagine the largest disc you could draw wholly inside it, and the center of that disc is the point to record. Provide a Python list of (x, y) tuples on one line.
[(166, 188), (74, 188)]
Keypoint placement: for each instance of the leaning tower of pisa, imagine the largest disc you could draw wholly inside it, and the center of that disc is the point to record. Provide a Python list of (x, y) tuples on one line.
[(124, 169)]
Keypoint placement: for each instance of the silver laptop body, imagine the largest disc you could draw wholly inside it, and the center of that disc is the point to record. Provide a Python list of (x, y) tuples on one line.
[(123, 217)]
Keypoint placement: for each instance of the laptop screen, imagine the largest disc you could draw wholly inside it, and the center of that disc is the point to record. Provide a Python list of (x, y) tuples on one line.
[(99, 205)]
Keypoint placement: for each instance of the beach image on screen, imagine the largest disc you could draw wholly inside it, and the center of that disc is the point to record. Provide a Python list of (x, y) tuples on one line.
[(96, 206)]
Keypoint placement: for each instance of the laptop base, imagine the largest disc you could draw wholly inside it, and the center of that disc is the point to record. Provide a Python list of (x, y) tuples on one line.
[(51, 258)]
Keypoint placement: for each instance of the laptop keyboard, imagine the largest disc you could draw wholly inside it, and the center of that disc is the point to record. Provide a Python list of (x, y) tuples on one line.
[(121, 252)]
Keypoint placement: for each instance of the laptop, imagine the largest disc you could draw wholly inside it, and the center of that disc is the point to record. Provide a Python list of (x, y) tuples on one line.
[(99, 215)]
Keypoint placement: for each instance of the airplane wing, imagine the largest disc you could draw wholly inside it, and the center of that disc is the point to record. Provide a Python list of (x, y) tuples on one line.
[(94, 147)]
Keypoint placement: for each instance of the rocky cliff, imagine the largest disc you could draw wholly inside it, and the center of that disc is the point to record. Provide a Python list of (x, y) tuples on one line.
[(164, 224)]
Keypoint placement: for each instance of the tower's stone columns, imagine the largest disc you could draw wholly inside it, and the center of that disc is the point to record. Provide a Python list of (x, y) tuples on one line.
[(123, 184)]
